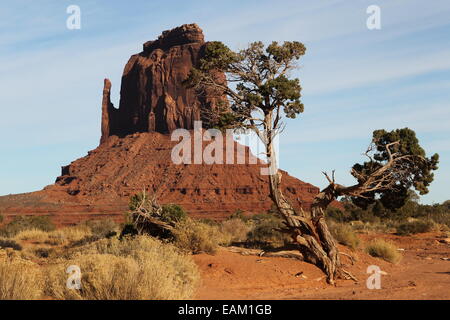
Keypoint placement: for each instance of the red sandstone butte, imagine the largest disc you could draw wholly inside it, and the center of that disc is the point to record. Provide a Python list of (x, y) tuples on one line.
[(135, 149), (152, 96)]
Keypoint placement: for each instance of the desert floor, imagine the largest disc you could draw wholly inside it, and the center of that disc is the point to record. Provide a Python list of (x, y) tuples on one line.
[(423, 273)]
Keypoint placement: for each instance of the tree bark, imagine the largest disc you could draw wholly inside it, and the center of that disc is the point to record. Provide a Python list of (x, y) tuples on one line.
[(310, 232)]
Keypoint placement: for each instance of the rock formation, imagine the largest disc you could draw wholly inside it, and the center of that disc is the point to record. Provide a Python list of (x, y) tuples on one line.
[(121, 167), (135, 149), (152, 96)]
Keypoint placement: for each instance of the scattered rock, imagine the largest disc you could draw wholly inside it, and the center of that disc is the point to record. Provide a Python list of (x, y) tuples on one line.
[(292, 254), (412, 284), (320, 278), (229, 271)]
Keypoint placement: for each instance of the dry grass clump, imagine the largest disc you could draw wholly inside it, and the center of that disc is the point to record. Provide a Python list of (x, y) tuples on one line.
[(384, 250), (344, 234), (373, 227), (236, 228), (32, 234), (19, 279), (102, 228), (199, 237), (69, 235), (128, 269)]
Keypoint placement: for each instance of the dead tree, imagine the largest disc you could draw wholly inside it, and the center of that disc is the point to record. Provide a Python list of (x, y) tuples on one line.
[(146, 217)]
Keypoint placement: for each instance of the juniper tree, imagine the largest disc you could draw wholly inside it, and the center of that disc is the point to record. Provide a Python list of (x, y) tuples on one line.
[(260, 93)]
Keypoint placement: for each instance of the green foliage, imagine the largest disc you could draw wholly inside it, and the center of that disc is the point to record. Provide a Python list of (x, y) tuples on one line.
[(428, 215), (412, 169), (264, 231), (21, 223), (337, 214), (102, 228), (259, 76), (135, 201), (1, 218), (218, 57), (413, 227), (173, 213)]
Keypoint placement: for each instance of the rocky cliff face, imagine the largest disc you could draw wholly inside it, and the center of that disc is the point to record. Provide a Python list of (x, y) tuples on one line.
[(121, 167), (152, 96)]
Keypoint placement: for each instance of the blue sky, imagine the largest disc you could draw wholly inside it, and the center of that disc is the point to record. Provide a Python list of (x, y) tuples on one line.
[(354, 80)]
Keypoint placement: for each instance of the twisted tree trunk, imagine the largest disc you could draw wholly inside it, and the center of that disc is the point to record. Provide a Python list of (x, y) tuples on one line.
[(311, 233)]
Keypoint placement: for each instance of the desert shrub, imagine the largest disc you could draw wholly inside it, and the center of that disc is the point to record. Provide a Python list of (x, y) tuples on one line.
[(413, 227), (442, 218), (43, 252), (238, 214), (384, 250), (337, 214), (343, 234), (1, 218), (69, 235), (145, 210), (19, 279), (209, 221), (264, 231), (173, 213), (236, 228), (198, 237), (102, 228), (21, 223), (32, 234), (9, 243), (133, 268), (136, 200), (128, 229), (84, 241)]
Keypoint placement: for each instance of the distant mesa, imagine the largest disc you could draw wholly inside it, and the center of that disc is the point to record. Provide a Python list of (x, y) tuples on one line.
[(134, 153)]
